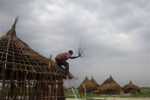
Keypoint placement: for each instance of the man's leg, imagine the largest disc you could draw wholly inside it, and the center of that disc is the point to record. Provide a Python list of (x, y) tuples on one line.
[(66, 68), (58, 62), (65, 64)]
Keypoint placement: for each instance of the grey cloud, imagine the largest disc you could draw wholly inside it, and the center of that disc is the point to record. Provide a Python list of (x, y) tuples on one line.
[(115, 33)]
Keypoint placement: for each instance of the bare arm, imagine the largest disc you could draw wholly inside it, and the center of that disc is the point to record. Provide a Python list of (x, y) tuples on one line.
[(73, 57)]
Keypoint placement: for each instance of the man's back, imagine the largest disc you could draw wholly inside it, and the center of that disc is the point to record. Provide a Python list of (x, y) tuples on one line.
[(63, 56)]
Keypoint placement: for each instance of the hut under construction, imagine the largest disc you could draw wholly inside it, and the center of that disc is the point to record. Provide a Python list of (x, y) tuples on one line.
[(129, 88), (25, 74), (109, 87)]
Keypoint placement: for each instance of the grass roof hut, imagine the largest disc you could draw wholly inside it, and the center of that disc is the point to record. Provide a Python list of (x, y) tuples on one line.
[(25, 74), (109, 87), (130, 88), (86, 85), (94, 84)]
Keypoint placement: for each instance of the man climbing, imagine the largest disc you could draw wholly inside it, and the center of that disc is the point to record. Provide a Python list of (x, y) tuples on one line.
[(62, 57)]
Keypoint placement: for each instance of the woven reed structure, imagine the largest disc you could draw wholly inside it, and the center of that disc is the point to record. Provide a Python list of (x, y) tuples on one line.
[(25, 74)]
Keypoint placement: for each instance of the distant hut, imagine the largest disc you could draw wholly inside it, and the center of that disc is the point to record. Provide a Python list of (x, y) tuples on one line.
[(109, 87), (129, 88), (25, 74), (94, 83), (86, 85)]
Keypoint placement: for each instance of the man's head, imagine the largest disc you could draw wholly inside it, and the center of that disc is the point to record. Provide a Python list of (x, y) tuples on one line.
[(71, 52)]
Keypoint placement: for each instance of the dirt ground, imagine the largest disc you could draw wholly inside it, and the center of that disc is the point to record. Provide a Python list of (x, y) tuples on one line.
[(113, 99)]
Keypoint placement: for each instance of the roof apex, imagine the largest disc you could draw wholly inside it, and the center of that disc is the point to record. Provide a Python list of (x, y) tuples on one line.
[(130, 82), (14, 25), (12, 31)]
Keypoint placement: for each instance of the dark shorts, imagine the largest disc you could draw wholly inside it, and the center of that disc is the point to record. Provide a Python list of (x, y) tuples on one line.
[(63, 62)]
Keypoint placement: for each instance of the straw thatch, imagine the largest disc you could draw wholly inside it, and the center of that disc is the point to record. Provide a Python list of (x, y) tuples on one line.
[(90, 85), (94, 84), (86, 85), (129, 88), (109, 87), (25, 74)]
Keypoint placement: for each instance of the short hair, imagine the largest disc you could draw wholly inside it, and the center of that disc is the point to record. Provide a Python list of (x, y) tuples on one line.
[(70, 51)]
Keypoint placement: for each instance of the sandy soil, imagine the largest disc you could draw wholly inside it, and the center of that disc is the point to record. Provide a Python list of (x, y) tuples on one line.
[(114, 99)]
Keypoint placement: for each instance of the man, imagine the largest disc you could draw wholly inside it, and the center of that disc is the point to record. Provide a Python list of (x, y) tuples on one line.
[(62, 57)]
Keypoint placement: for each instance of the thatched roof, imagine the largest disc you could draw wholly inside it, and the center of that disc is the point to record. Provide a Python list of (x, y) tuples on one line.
[(90, 86), (94, 82), (26, 50), (109, 86), (95, 85), (14, 51), (131, 87), (87, 84)]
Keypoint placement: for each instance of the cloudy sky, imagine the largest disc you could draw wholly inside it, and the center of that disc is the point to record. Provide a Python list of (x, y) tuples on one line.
[(114, 34)]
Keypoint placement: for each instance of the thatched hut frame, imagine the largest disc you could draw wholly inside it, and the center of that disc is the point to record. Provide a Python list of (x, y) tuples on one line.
[(25, 74)]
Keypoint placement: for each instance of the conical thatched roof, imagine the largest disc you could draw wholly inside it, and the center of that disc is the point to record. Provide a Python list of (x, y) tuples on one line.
[(94, 82), (109, 87), (95, 85), (131, 87), (88, 85), (17, 55)]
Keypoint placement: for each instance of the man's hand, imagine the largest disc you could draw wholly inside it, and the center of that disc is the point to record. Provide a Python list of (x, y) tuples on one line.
[(79, 54)]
